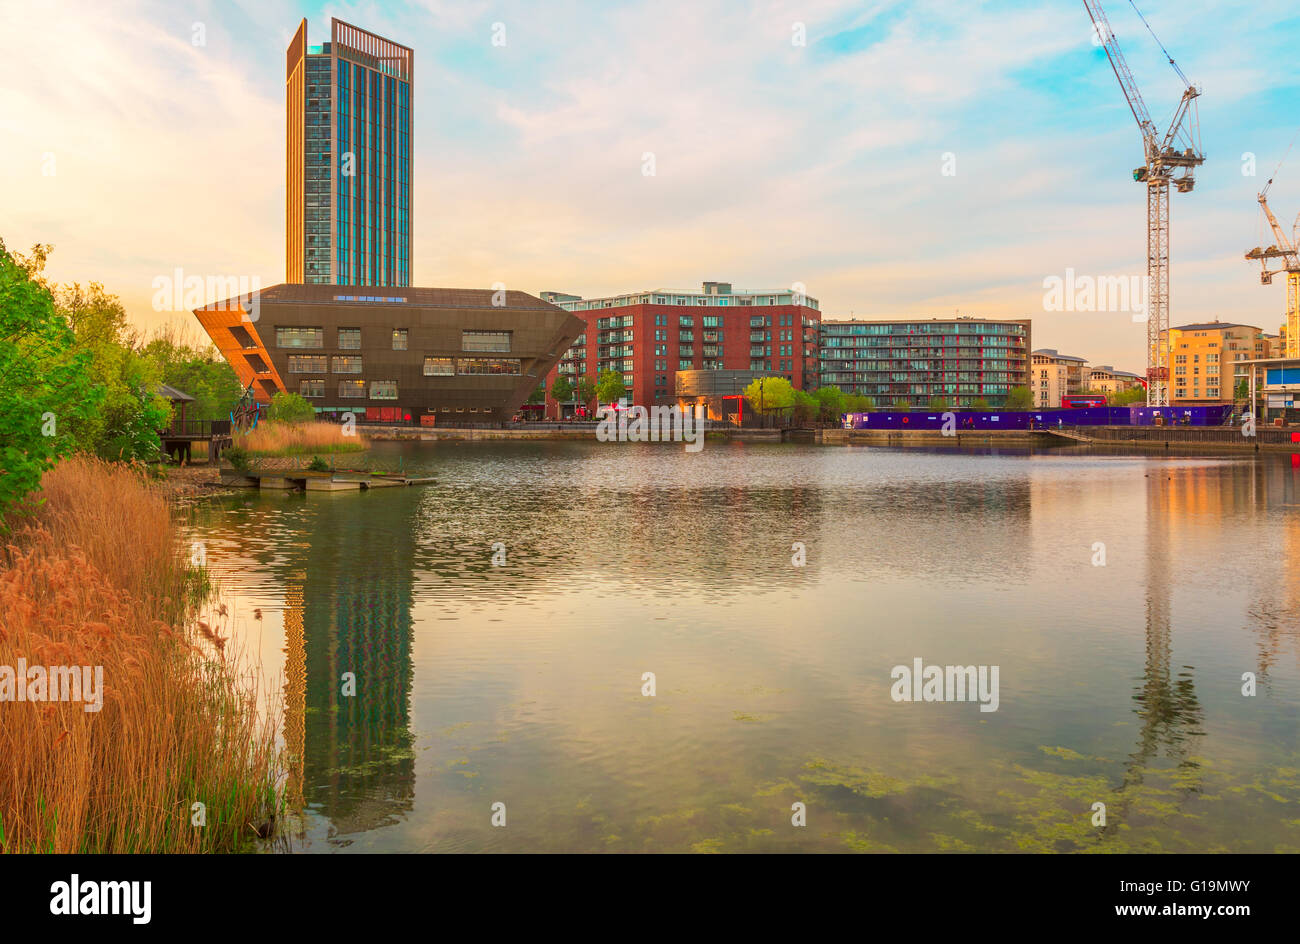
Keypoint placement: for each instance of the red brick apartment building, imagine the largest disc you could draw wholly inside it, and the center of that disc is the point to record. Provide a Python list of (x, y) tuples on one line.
[(649, 336)]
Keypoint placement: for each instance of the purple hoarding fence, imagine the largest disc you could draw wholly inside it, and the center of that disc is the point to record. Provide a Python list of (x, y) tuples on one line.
[(1037, 419)]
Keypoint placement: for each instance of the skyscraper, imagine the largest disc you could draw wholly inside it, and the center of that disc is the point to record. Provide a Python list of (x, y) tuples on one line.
[(348, 165)]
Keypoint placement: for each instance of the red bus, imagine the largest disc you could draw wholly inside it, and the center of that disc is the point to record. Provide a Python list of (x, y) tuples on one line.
[(1078, 401)]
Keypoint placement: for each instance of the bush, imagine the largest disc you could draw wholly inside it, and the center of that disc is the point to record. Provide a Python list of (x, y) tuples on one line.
[(237, 457), (318, 464), (290, 408)]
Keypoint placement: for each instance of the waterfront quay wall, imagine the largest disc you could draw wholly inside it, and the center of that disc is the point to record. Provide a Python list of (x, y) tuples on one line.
[(1146, 439)]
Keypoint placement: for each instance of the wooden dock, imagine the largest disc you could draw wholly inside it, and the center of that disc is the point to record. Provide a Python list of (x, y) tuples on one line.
[(302, 480)]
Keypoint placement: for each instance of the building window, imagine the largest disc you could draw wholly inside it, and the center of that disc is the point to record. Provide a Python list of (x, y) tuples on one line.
[(383, 389), (349, 339), (686, 321), (399, 339), (299, 337), (713, 321), (345, 364), (352, 389), (312, 389), (439, 366), (487, 365), (306, 363), (490, 342)]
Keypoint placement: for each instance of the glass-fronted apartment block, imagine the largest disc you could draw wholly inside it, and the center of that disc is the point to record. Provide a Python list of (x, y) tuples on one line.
[(648, 336), (348, 192), (896, 362)]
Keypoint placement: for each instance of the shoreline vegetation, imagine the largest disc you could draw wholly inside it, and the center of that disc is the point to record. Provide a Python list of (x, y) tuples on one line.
[(96, 575)]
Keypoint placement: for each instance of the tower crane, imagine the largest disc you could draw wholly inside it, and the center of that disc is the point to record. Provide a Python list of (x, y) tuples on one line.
[(1288, 253), (1168, 158)]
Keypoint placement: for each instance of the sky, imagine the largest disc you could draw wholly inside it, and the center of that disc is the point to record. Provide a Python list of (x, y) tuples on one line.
[(907, 159)]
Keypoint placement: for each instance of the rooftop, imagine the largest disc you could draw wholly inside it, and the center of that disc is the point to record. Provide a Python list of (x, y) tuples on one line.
[(1053, 352), (288, 293), (1210, 326)]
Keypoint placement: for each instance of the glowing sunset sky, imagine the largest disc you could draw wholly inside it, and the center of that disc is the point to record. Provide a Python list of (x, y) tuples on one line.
[(775, 162)]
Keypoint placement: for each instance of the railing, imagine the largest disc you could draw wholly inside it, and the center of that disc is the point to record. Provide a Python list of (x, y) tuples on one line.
[(195, 429)]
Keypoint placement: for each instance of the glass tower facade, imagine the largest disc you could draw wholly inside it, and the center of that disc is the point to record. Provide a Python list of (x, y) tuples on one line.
[(349, 163)]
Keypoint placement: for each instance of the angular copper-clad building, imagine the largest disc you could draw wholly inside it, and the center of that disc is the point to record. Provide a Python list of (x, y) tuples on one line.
[(435, 356)]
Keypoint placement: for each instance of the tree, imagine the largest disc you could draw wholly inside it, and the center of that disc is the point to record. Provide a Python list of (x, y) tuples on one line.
[(830, 403), (1136, 394), (562, 389), (770, 394), (610, 387), (199, 370), (980, 404), (126, 424), (804, 407), (538, 395), (45, 384), (1243, 390), (586, 389), (938, 404), (1020, 398), (857, 403), (290, 408), (902, 404)]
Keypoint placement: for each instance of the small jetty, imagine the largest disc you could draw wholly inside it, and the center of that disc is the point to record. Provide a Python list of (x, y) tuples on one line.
[(305, 480)]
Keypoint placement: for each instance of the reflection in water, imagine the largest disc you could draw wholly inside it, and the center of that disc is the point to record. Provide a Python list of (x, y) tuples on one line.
[(1169, 712), (522, 683)]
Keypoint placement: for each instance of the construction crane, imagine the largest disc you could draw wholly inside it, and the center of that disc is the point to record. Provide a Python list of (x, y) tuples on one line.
[(1285, 250), (1168, 158)]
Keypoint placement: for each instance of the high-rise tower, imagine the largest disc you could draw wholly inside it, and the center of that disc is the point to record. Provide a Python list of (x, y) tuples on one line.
[(348, 166)]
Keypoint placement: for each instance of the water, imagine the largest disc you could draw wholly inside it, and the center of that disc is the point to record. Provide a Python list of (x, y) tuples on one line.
[(522, 684)]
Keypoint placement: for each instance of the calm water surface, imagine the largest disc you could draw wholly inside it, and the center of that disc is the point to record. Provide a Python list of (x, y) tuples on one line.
[(521, 684)]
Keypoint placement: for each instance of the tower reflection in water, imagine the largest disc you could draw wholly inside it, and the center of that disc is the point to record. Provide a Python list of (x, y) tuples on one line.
[(348, 671)]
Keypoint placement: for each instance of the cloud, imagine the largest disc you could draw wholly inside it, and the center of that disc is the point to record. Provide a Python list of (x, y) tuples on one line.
[(774, 162)]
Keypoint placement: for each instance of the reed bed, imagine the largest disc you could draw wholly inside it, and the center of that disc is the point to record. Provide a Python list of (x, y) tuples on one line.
[(98, 577), (294, 439)]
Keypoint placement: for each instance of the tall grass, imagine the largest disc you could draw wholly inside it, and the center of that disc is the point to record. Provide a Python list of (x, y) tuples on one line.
[(98, 577), (290, 439)]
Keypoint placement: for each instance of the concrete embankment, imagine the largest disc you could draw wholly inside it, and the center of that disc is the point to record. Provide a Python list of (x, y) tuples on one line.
[(1138, 438), (588, 433)]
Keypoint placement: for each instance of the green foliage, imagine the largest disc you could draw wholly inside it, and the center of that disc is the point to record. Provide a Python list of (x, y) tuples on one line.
[(805, 406), (201, 372), (1020, 398), (902, 404), (610, 387), (538, 395), (1137, 394), (562, 389), (290, 408), (125, 425), (831, 404), (318, 464), (980, 404), (857, 403), (46, 390), (237, 457), (770, 394), (586, 390), (938, 403)]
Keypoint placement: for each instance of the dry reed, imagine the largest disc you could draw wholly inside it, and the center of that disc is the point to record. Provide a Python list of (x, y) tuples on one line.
[(98, 577), (287, 439)]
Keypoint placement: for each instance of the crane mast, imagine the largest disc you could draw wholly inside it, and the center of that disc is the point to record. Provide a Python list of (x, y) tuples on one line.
[(1168, 159), (1286, 251)]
